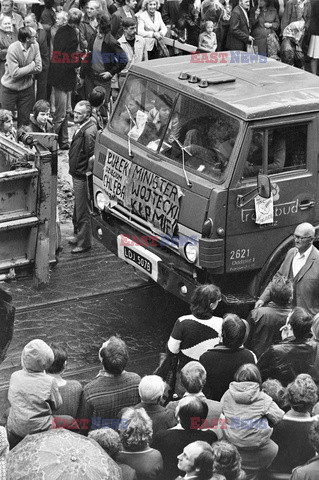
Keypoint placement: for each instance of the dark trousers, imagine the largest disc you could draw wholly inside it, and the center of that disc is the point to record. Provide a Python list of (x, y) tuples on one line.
[(81, 217), (42, 82), (22, 101)]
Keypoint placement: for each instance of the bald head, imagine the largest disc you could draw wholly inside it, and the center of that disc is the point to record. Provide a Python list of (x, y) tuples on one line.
[(304, 236)]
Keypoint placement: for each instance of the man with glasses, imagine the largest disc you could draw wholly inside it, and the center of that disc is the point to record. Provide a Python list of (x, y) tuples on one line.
[(301, 265), (23, 61)]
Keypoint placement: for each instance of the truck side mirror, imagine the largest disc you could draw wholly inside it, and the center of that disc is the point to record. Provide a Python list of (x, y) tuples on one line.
[(263, 186), (263, 189)]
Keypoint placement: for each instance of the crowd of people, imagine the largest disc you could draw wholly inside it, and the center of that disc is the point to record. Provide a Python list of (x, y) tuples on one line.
[(232, 399), (59, 51)]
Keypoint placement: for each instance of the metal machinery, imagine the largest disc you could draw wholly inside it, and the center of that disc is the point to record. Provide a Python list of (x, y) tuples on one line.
[(28, 192)]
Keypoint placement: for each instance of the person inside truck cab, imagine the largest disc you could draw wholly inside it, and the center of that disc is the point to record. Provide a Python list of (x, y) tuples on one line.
[(276, 153), (158, 123), (212, 146)]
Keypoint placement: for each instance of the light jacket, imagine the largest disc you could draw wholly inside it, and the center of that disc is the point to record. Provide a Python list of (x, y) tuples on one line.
[(32, 393), (247, 410), (18, 69), (146, 28)]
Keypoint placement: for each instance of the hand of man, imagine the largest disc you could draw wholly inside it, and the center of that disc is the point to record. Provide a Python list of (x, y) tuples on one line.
[(157, 35), (251, 39), (259, 303), (106, 76), (268, 25)]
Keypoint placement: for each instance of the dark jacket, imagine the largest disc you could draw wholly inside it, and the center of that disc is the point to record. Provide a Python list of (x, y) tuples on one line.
[(87, 32), (81, 149), (116, 22), (43, 46), (287, 360), (109, 46), (239, 29), (221, 364), (65, 59)]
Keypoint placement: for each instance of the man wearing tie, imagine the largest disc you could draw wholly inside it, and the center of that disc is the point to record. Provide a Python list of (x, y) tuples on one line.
[(81, 150), (301, 265), (239, 27)]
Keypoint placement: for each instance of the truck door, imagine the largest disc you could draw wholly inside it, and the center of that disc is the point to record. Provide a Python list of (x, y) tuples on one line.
[(286, 152)]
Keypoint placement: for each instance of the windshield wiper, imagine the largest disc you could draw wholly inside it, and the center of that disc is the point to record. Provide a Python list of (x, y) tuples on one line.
[(183, 149)]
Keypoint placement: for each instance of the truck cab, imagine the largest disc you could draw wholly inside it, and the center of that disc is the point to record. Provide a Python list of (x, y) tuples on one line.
[(188, 151)]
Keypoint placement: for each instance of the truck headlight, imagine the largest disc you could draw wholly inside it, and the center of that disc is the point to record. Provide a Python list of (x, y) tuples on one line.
[(190, 252), (102, 201)]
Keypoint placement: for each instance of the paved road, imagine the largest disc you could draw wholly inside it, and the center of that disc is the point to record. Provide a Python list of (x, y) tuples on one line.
[(90, 297)]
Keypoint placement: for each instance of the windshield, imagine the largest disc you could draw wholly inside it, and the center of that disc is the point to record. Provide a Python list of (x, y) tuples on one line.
[(190, 133)]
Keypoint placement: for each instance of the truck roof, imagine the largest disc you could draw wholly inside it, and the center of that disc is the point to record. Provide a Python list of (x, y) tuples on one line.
[(254, 90)]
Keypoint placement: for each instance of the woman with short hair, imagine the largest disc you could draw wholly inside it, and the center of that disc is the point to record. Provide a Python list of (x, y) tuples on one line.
[(291, 434), (6, 125), (136, 434), (152, 28)]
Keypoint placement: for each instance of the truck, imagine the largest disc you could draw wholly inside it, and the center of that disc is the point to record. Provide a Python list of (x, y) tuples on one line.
[(205, 168)]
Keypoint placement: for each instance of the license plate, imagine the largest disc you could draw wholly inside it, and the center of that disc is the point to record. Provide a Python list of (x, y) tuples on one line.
[(138, 256), (138, 260)]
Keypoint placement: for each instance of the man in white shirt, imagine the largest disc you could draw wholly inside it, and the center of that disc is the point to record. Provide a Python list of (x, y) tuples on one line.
[(301, 265)]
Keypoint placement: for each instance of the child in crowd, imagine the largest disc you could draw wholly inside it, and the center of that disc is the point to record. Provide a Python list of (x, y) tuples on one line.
[(32, 393), (6, 125), (207, 39), (247, 411), (97, 100)]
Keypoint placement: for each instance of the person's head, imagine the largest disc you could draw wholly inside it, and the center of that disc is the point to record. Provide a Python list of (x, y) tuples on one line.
[(82, 112), (197, 459), (129, 28), (300, 322), (6, 7), (37, 356), (104, 23), (281, 290), (151, 389), (304, 235), (60, 359), (209, 27), (150, 5), (49, 3), (92, 9), (244, 4), (74, 17), (204, 300), (233, 331), (6, 121), (131, 4), (27, 36), (30, 21), (97, 97), (227, 461), (189, 409), (114, 355), (302, 393), (41, 112), (276, 391), (314, 435), (248, 373), (6, 23), (108, 439), (315, 327), (138, 432), (193, 377), (61, 18)]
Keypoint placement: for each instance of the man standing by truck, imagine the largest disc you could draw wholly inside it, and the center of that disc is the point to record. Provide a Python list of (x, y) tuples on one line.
[(81, 150), (301, 265)]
